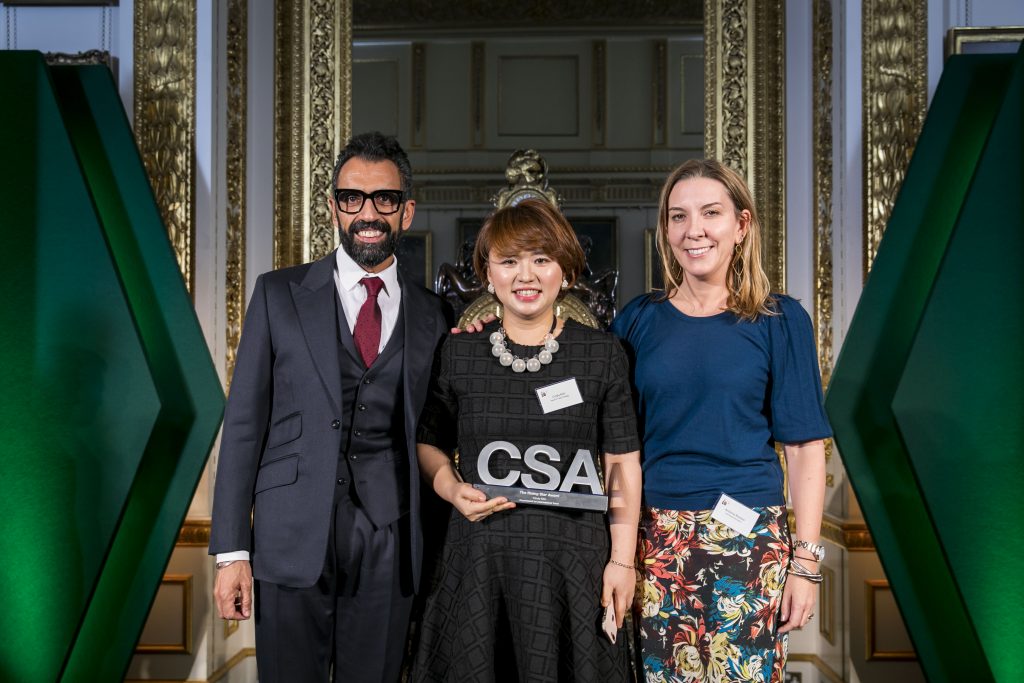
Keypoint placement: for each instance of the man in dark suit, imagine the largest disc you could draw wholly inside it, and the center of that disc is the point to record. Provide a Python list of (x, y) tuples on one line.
[(319, 441)]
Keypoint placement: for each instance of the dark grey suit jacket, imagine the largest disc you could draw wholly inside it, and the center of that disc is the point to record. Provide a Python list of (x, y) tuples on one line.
[(280, 445)]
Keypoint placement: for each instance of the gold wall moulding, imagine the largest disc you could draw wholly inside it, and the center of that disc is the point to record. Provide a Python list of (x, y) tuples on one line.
[(194, 533), (79, 58), (872, 589), (313, 120), (289, 59), (828, 672), (727, 41), (744, 84), (767, 98), (822, 159), (165, 125), (960, 38), (184, 644), (215, 677), (853, 536), (827, 605), (895, 97), (236, 110), (857, 537), (231, 663), (830, 530)]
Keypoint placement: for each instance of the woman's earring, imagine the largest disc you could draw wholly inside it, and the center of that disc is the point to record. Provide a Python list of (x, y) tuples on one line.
[(565, 283), (490, 287)]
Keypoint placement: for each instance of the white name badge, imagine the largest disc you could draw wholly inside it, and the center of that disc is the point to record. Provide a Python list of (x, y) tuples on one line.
[(559, 395), (734, 515)]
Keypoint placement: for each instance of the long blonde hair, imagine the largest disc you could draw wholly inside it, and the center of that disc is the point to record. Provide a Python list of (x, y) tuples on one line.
[(749, 289)]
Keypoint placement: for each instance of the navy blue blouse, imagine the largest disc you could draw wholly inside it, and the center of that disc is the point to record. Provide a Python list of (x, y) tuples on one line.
[(714, 394)]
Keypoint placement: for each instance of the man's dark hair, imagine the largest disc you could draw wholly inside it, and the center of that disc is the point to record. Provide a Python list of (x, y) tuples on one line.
[(376, 146)]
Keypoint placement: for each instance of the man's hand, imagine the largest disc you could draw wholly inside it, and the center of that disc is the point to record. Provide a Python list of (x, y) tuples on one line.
[(232, 591), (476, 325)]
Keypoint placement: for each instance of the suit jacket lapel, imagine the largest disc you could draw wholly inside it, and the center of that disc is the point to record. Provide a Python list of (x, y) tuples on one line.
[(314, 303)]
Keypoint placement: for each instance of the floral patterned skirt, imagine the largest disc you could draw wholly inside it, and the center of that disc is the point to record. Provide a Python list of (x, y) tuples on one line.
[(709, 601)]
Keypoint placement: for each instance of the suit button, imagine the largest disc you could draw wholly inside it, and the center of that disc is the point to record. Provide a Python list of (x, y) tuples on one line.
[(343, 481), (367, 381), (357, 433), (362, 406), (353, 457), (335, 424)]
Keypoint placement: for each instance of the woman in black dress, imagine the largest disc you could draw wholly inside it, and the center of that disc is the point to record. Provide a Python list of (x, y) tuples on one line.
[(539, 404)]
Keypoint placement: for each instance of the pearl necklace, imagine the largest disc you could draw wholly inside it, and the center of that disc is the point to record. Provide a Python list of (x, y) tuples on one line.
[(500, 351)]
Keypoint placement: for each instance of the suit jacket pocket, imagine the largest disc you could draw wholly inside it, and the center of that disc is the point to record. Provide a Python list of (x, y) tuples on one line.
[(280, 472), (286, 429)]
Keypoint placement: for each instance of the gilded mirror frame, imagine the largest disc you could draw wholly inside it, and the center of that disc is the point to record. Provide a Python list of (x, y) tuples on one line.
[(744, 94)]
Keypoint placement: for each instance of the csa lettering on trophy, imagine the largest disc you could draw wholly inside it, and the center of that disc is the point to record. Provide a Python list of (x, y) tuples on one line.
[(542, 483)]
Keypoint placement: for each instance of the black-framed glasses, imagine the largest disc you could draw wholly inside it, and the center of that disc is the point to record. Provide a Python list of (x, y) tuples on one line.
[(351, 201)]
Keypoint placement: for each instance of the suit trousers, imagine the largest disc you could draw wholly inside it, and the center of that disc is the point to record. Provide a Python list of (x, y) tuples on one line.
[(355, 619)]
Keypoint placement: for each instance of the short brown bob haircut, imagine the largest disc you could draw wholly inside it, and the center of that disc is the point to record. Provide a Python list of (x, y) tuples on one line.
[(532, 225)]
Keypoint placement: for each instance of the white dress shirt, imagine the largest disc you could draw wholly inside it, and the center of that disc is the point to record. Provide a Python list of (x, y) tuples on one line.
[(347, 274)]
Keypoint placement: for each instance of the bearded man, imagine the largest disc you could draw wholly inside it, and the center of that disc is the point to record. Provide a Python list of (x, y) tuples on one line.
[(317, 495)]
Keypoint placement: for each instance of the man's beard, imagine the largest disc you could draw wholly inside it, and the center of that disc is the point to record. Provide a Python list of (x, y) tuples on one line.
[(369, 255)]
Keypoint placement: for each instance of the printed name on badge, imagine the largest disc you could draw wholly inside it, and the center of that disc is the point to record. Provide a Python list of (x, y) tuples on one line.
[(559, 395), (734, 515)]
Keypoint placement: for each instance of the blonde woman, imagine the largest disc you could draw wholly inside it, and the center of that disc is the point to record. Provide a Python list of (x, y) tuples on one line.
[(723, 370)]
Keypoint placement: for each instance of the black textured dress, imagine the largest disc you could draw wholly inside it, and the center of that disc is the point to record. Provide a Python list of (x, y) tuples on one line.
[(518, 595)]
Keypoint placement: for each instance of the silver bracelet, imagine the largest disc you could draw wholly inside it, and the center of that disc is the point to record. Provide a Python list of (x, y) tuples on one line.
[(621, 564), (797, 569), (225, 563)]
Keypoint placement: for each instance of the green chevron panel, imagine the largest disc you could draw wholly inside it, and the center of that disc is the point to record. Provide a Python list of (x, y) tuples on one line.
[(876, 349), (78, 403), (131, 424), (960, 402), (192, 401)]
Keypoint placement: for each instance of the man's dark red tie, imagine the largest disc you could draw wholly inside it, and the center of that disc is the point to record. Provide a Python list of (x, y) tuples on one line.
[(367, 331)]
